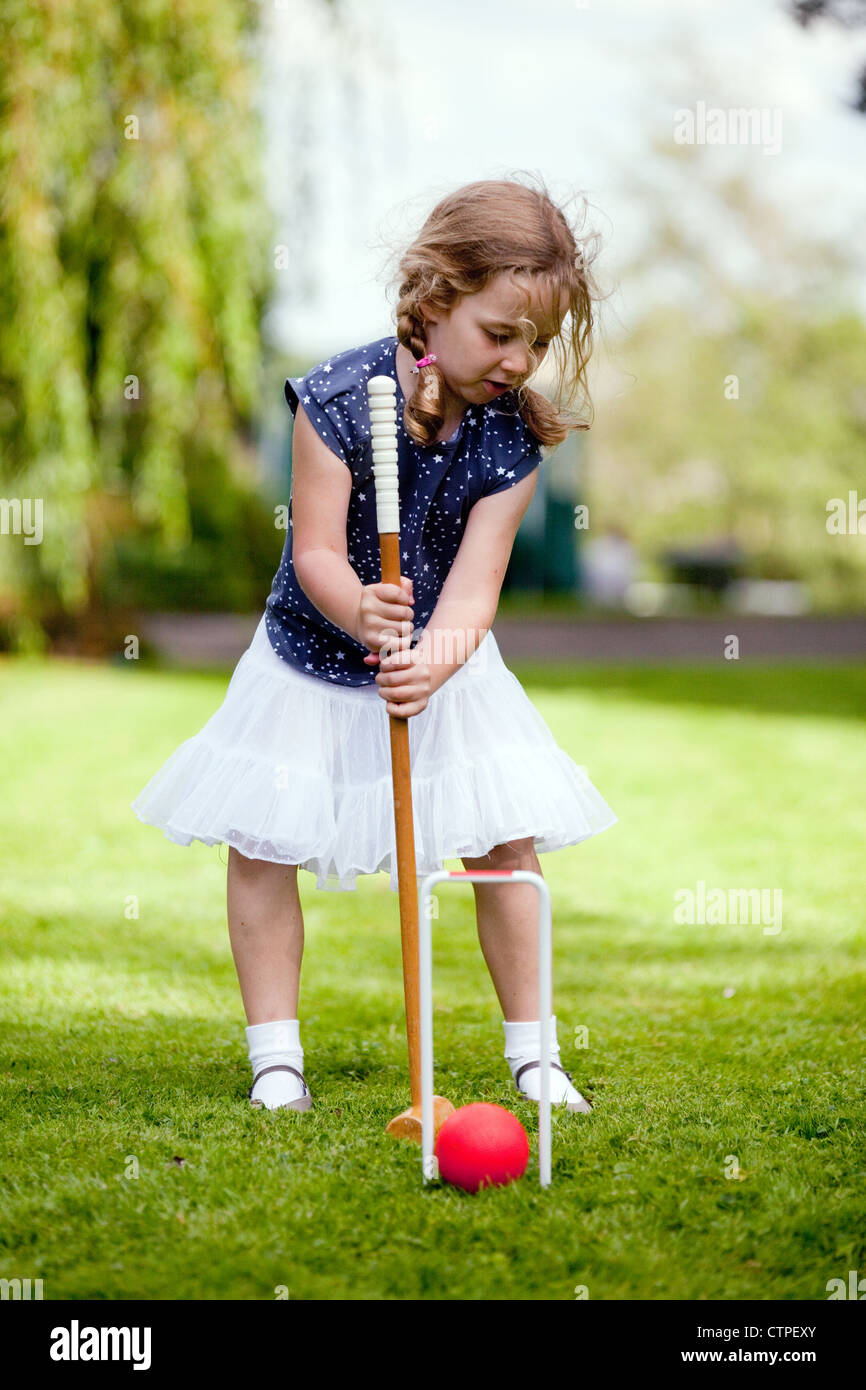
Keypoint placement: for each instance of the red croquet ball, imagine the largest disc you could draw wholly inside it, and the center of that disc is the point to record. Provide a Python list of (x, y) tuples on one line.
[(481, 1145)]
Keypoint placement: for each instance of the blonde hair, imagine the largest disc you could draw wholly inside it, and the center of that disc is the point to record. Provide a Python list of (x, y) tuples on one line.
[(474, 234)]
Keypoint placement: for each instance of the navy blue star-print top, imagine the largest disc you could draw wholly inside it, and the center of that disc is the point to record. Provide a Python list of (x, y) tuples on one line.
[(492, 449)]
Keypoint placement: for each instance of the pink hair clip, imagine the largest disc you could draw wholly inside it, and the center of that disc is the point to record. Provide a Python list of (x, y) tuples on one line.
[(424, 362)]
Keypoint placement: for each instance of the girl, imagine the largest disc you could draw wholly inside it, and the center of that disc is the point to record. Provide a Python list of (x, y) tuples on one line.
[(294, 770)]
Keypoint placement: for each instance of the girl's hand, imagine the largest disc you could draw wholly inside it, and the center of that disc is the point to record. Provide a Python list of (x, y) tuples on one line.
[(404, 683), (386, 613)]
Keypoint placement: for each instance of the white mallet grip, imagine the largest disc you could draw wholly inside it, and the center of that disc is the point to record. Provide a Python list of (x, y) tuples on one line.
[(381, 395)]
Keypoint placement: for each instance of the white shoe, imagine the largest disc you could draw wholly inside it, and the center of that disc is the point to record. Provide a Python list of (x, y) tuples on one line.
[(303, 1102), (578, 1104)]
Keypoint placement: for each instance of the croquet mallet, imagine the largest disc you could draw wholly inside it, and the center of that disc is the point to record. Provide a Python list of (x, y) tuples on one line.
[(381, 393)]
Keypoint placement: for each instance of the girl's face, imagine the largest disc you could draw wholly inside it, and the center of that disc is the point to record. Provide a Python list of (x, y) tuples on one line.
[(477, 342)]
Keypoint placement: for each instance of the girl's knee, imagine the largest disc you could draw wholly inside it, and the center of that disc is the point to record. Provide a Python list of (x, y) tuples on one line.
[(514, 854), (242, 864)]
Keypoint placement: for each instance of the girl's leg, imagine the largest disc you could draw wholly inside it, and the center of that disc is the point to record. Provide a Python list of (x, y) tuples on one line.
[(507, 916), (508, 932), (266, 928)]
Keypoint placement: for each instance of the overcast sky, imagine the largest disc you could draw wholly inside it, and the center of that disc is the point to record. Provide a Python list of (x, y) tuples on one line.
[(412, 99)]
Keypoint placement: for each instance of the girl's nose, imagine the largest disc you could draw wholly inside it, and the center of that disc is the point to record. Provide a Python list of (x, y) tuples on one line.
[(516, 363)]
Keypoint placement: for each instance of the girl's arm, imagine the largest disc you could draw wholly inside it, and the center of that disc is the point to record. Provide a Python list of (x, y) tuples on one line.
[(321, 488), (469, 597)]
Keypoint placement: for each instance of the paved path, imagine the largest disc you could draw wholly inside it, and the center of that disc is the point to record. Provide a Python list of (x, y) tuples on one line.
[(666, 640), (218, 639)]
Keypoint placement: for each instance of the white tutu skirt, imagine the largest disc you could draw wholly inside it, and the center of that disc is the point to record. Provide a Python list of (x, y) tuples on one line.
[(297, 770)]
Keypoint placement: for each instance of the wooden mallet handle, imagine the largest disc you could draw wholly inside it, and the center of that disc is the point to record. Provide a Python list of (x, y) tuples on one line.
[(381, 394)]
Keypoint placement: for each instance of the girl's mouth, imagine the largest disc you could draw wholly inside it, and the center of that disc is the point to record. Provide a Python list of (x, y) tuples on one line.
[(495, 388)]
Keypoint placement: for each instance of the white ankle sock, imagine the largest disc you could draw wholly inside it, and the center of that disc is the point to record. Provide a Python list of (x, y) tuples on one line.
[(523, 1044), (273, 1044)]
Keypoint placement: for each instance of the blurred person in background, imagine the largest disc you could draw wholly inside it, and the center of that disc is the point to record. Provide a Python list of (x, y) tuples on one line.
[(609, 567)]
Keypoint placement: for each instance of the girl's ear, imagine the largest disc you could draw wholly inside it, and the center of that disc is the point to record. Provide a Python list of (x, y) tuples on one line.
[(428, 313)]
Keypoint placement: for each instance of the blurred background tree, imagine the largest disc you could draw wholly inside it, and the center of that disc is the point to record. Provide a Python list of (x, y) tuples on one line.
[(678, 460), (735, 405), (850, 14), (136, 251)]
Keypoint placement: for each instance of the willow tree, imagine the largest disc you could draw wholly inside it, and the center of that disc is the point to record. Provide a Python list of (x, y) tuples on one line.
[(135, 262)]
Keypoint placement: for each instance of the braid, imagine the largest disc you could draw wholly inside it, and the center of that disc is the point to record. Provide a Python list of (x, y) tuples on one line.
[(542, 418), (424, 414)]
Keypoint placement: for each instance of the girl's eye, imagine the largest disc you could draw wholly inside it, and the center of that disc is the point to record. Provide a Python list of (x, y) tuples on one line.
[(503, 338)]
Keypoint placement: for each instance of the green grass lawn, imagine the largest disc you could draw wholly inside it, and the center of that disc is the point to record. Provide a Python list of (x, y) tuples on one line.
[(724, 1158)]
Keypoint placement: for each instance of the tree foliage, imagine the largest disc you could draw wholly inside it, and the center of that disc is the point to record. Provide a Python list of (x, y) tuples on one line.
[(135, 248), (736, 407), (850, 14), (745, 433)]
